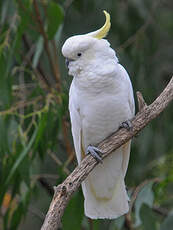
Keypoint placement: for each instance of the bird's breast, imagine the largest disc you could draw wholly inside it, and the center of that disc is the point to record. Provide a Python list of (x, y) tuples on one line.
[(101, 117)]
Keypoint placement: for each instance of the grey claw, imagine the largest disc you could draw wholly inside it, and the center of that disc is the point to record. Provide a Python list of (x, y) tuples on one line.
[(95, 152), (127, 125)]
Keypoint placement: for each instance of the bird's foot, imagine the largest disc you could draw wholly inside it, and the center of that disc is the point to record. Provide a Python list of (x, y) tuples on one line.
[(127, 125), (95, 152)]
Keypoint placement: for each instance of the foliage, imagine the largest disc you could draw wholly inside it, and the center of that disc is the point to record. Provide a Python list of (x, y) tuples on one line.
[(36, 150)]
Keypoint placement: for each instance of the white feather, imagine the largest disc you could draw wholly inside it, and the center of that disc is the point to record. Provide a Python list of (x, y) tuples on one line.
[(101, 98)]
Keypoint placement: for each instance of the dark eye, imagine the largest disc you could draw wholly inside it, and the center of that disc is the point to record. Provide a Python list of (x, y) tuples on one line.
[(79, 54)]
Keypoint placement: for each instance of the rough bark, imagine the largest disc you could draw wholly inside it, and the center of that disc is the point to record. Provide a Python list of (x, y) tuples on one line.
[(64, 191)]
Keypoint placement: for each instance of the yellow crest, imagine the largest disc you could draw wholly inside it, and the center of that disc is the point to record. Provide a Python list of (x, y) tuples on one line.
[(103, 31)]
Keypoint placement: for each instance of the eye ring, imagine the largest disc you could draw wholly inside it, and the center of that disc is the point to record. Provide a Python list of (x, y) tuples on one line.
[(79, 54)]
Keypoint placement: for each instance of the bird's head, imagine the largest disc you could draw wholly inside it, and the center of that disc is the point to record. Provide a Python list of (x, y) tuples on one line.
[(85, 51)]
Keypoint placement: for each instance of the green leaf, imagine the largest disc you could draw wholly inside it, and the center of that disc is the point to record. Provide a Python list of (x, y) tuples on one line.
[(147, 217), (39, 49), (21, 158), (57, 36), (25, 12), (41, 129), (96, 224), (55, 17), (73, 214), (24, 169), (16, 217), (5, 83), (12, 132), (4, 11), (167, 223), (6, 219), (3, 138), (117, 224), (145, 196)]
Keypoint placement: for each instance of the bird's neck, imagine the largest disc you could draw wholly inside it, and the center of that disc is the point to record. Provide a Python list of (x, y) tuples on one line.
[(97, 78)]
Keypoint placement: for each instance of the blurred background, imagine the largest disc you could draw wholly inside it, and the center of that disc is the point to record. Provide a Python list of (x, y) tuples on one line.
[(36, 148)]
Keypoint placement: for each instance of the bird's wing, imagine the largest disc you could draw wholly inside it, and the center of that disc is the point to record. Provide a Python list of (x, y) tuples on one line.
[(75, 121), (128, 88), (131, 100), (131, 105)]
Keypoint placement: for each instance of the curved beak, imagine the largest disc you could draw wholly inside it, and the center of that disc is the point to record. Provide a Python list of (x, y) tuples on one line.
[(67, 61)]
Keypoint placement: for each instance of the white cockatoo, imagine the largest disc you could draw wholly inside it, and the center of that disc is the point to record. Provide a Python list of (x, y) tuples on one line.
[(101, 99)]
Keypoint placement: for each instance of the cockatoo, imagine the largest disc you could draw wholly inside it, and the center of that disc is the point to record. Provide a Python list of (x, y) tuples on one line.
[(100, 100)]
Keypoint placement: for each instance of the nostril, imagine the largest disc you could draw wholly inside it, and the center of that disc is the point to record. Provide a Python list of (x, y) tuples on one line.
[(67, 62)]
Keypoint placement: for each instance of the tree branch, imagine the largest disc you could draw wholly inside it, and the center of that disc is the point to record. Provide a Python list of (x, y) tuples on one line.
[(64, 191)]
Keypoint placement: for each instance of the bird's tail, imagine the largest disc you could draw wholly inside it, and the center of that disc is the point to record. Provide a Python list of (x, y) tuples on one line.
[(106, 208)]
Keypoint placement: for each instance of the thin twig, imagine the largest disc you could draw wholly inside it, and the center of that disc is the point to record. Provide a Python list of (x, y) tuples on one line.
[(58, 162), (138, 189), (141, 102), (44, 83), (21, 104), (43, 77), (161, 211), (67, 143), (55, 56), (21, 5), (46, 42), (64, 191), (128, 217), (36, 212), (56, 67), (141, 30), (69, 159), (44, 175), (67, 4), (90, 221), (47, 187)]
